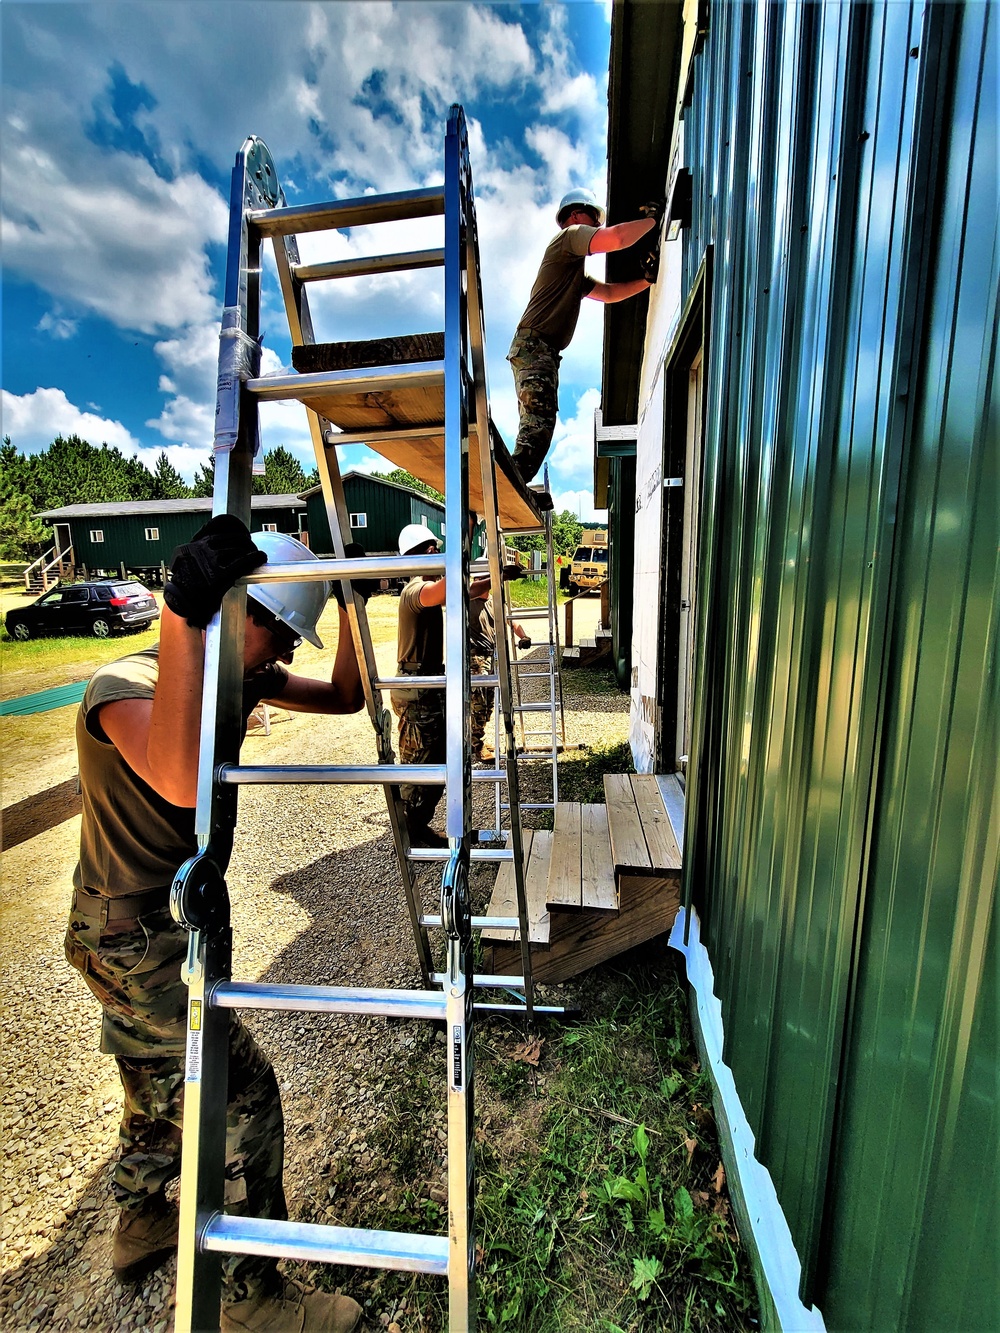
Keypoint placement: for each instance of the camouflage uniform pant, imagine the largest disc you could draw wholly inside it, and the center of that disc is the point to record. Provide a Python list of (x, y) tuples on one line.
[(482, 702), (422, 740), (535, 364), (134, 969)]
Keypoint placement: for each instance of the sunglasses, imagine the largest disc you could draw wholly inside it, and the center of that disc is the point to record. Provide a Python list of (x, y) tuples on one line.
[(285, 637)]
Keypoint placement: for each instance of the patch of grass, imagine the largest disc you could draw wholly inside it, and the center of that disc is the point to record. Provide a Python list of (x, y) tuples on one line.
[(600, 1201), (532, 592), (581, 772)]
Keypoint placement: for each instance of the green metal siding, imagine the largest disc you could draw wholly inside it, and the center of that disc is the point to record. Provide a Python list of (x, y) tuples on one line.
[(842, 844), (387, 508), (125, 540)]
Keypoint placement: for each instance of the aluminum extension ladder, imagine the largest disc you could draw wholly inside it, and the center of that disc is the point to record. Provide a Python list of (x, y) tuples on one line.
[(199, 897), (539, 744)]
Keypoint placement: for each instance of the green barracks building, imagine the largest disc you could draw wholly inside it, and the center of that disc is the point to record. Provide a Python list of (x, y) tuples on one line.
[(139, 536)]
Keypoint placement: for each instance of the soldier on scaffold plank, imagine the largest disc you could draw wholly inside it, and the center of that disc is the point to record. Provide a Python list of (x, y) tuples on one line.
[(547, 326)]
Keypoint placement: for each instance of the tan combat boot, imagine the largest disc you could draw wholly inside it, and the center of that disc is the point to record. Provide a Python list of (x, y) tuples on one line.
[(295, 1310), (146, 1237)]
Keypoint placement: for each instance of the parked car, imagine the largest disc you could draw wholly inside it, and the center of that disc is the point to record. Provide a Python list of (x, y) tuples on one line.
[(97, 608)]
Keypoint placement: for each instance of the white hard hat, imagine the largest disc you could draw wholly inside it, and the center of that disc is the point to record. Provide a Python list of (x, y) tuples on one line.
[(582, 199), (298, 605), (414, 535)]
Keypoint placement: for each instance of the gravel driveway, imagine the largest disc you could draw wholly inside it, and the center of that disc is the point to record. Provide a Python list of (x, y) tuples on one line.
[(315, 899)]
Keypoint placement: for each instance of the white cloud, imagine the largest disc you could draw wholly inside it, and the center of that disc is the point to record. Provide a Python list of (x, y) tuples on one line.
[(580, 503), (350, 97), (114, 240), (57, 326), (33, 420), (571, 458)]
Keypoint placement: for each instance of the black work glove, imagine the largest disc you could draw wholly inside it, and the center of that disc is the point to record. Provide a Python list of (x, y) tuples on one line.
[(509, 572), (654, 209), (204, 569), (651, 265), (524, 643), (363, 587)]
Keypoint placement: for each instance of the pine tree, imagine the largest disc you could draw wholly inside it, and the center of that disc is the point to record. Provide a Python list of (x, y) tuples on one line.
[(204, 479), (403, 478), (283, 474), (168, 484)]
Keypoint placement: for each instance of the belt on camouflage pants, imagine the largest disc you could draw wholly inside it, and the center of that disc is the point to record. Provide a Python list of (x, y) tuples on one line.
[(99, 908)]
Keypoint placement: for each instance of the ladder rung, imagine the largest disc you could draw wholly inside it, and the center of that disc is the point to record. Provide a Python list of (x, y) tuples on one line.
[(519, 613), (348, 212), (398, 1250), (486, 981), (476, 854), (533, 675), (375, 774), (368, 567), (478, 922), (376, 437), (367, 379), (484, 1007), (357, 268), (532, 805), (534, 708), (411, 682), (329, 999)]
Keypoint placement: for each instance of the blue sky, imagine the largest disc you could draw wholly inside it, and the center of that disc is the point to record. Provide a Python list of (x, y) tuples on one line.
[(121, 122)]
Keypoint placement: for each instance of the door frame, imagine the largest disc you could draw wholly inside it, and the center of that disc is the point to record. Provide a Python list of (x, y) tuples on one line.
[(683, 455)]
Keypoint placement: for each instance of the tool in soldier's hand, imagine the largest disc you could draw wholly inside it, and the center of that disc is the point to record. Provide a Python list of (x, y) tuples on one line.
[(655, 208)]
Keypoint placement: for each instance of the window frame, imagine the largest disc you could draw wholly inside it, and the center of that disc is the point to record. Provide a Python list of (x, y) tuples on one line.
[(96, 536)]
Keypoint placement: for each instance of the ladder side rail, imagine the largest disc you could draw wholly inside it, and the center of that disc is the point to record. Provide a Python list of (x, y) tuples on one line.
[(300, 324), (555, 655), (459, 990), (501, 609), (198, 1289), (553, 660)]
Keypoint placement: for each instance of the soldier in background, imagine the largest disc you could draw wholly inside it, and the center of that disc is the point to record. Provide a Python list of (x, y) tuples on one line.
[(420, 652)]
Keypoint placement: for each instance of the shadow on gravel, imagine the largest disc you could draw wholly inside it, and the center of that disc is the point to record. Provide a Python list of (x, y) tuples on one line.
[(69, 1285), (38, 813)]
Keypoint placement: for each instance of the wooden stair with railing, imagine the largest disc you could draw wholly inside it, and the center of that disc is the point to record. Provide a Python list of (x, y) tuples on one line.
[(606, 879)]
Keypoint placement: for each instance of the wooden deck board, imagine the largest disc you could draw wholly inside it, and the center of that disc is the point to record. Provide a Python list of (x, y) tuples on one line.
[(565, 865), (503, 902), (628, 845), (664, 854), (598, 869), (423, 456)]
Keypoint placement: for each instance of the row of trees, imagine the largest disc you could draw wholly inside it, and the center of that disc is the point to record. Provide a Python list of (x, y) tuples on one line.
[(74, 471)]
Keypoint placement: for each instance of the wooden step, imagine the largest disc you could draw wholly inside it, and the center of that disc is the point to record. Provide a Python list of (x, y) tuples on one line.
[(642, 839), (580, 940), (581, 871), (537, 851)]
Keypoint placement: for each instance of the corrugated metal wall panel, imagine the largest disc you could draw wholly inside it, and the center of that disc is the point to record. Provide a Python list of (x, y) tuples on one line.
[(921, 1117), (815, 145)]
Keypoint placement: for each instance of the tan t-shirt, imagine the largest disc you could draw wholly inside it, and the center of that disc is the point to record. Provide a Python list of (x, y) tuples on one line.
[(554, 304), (420, 639), (131, 839)]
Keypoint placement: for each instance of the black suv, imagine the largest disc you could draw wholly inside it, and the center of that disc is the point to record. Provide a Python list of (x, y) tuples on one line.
[(91, 608)]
